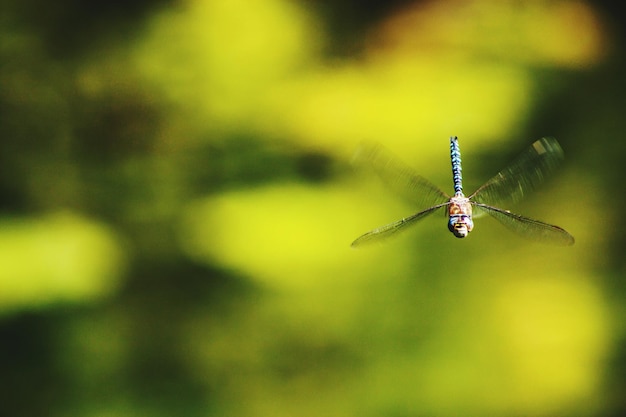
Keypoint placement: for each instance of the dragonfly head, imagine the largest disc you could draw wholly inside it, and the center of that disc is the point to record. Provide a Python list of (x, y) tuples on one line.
[(460, 225)]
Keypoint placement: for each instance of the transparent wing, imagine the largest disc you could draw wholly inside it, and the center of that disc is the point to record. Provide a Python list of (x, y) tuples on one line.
[(524, 174), (390, 229), (416, 189), (529, 228)]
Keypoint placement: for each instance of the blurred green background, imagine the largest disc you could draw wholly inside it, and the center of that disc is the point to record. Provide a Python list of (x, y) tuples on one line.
[(177, 206)]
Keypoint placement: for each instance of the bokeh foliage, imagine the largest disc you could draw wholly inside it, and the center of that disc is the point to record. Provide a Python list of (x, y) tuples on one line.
[(177, 207)]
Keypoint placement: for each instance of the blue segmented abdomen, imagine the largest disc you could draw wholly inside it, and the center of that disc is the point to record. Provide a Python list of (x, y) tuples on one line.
[(455, 157)]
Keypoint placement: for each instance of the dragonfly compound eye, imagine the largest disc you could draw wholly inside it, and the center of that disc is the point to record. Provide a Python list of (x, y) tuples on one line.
[(460, 225)]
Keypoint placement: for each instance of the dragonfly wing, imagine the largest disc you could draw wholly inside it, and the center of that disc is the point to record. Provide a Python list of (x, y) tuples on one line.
[(524, 174), (420, 192), (529, 228), (390, 229)]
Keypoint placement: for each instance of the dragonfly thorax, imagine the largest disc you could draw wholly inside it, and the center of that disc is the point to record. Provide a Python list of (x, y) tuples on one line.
[(460, 215)]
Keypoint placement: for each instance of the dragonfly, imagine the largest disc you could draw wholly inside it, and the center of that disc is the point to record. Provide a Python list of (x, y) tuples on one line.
[(508, 186)]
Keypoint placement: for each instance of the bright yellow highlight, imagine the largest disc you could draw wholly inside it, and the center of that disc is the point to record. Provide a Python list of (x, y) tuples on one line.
[(218, 58), (402, 102), (59, 257), (287, 236)]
